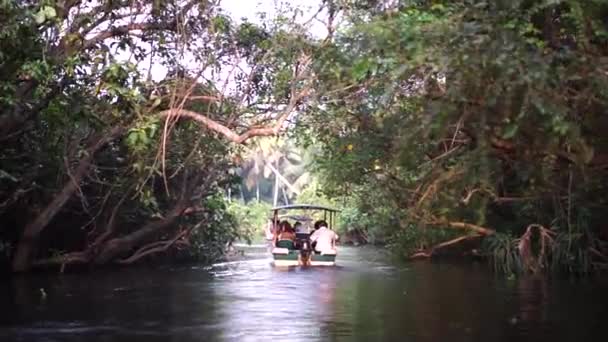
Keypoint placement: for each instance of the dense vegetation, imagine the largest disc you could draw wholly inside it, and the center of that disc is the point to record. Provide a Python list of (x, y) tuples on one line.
[(459, 121), (103, 163), (433, 124)]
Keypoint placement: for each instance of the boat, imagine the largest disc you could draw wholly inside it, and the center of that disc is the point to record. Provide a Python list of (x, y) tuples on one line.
[(300, 252)]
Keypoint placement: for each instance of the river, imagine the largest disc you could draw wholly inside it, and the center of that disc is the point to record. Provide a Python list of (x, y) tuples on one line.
[(366, 298)]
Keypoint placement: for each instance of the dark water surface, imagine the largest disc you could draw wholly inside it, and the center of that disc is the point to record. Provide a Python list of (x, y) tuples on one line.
[(365, 299)]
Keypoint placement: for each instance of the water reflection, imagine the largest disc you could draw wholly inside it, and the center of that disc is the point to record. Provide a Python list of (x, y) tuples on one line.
[(282, 304), (365, 299), (533, 296)]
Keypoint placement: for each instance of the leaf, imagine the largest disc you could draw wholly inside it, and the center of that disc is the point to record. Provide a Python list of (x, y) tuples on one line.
[(132, 138), (360, 69), (510, 131), (438, 7), (143, 137), (49, 12), (157, 102), (153, 129), (40, 17)]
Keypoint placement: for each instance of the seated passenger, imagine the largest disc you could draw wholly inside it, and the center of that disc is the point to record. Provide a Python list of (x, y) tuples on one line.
[(269, 231), (316, 226), (287, 233), (299, 227), (324, 238), (276, 231), (314, 229)]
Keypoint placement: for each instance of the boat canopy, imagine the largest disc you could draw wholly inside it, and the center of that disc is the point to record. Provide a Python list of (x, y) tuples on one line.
[(295, 217), (304, 206)]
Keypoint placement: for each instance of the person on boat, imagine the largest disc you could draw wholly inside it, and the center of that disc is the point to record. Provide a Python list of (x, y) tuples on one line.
[(286, 231), (301, 234), (314, 229), (299, 227), (270, 229), (271, 233), (324, 239)]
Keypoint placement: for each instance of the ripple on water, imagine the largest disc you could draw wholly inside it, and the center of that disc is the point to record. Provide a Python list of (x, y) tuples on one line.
[(364, 298)]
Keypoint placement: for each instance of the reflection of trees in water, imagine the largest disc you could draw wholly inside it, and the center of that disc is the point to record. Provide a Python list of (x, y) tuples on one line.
[(533, 299), (446, 302), (425, 302), (288, 303), (24, 295), (358, 307), (113, 306), (193, 303)]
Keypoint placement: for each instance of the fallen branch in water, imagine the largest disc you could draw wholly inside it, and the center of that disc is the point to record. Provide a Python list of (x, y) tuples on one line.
[(430, 251), (156, 247), (179, 241), (462, 225), (63, 260)]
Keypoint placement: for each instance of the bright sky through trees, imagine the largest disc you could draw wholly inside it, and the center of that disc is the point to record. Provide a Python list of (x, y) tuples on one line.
[(251, 11)]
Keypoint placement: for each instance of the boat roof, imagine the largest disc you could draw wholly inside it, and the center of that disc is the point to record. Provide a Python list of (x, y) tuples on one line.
[(296, 217), (304, 206)]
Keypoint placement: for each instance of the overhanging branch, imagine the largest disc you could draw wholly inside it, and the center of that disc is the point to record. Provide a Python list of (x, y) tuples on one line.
[(125, 29), (230, 134)]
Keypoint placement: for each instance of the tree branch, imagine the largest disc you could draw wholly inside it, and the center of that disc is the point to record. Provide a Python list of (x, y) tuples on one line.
[(465, 226), (154, 247), (230, 134), (125, 29), (429, 252)]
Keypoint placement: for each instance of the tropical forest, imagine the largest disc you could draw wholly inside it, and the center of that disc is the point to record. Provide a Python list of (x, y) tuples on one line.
[(461, 148)]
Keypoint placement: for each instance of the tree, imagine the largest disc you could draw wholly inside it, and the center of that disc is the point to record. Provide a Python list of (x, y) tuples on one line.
[(277, 159), (471, 122), (91, 141)]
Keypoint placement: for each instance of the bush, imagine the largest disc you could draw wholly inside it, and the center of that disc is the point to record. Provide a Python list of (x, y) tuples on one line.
[(250, 219), (213, 229)]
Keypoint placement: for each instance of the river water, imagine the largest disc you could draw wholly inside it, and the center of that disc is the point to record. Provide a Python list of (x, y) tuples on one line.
[(366, 298)]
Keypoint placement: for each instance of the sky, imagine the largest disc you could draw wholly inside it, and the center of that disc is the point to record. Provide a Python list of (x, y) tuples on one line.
[(249, 9)]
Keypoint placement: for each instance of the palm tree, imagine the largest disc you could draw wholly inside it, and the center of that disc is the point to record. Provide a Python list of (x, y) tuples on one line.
[(278, 160)]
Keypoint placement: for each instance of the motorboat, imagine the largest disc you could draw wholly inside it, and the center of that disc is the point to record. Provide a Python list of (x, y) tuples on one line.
[(301, 251)]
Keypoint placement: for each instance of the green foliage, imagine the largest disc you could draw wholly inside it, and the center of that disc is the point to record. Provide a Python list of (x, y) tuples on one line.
[(250, 219), (313, 194), (487, 113), (45, 13), (220, 227), (422, 115), (504, 253), (79, 106)]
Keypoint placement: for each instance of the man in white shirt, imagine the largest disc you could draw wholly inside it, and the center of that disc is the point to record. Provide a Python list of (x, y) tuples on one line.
[(325, 238)]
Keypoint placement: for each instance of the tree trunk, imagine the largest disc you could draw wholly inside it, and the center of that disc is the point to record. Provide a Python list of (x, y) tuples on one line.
[(23, 252), (276, 190), (285, 199), (283, 179), (27, 244), (242, 193), (119, 246)]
